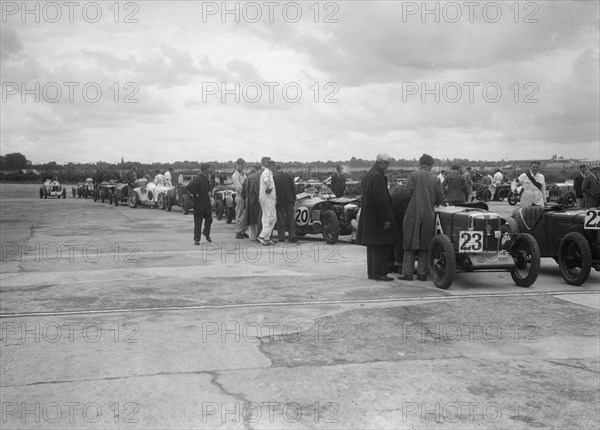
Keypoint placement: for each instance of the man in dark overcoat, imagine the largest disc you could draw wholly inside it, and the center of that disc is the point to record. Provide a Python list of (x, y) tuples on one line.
[(199, 189), (338, 182), (419, 220), (250, 190), (400, 199), (376, 226), (578, 186), (286, 198)]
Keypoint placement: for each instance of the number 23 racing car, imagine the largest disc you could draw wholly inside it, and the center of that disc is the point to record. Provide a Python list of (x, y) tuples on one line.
[(570, 237), (329, 217), (469, 237)]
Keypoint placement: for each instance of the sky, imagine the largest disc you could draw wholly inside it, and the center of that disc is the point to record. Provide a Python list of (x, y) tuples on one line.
[(165, 81)]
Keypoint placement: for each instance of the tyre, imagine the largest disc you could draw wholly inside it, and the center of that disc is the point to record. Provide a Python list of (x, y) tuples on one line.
[(486, 195), (502, 194), (102, 196), (570, 199), (45, 193), (513, 198), (526, 254), (117, 197), (331, 227), (230, 215), (442, 261), (186, 203), (132, 200), (161, 201), (110, 198), (73, 191), (41, 193), (574, 258), (168, 203), (64, 194)]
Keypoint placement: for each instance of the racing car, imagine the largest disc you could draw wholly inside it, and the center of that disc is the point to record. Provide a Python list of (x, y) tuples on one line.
[(179, 195), (52, 189), (224, 197), (147, 194), (570, 237), (77, 190), (561, 193), (469, 237), (88, 187), (328, 217)]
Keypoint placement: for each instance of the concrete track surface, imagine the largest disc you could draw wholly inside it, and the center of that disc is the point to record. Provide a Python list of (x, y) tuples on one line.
[(112, 318)]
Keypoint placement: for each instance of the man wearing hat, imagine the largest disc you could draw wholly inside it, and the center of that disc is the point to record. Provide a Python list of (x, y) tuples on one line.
[(338, 181), (240, 205), (469, 180), (268, 200), (376, 227), (419, 220), (199, 189), (455, 186), (591, 188)]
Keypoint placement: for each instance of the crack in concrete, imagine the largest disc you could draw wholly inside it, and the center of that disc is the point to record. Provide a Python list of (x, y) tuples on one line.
[(238, 396), (581, 366)]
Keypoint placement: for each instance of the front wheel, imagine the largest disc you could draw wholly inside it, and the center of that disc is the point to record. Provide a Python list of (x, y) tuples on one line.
[(168, 203), (132, 200), (161, 201), (526, 254), (41, 193), (487, 195), (442, 261), (570, 199), (574, 258), (502, 194), (513, 198), (331, 227), (64, 194)]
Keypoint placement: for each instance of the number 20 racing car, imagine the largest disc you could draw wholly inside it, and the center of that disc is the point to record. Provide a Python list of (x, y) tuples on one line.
[(570, 237), (329, 217), (469, 238)]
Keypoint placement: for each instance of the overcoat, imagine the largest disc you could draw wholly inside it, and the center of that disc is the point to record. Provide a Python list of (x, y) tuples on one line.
[(252, 189), (376, 210), (455, 187), (419, 220)]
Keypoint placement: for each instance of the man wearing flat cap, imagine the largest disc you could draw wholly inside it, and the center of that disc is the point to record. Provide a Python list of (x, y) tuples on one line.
[(455, 186), (591, 188), (199, 189), (240, 205), (376, 227), (419, 220)]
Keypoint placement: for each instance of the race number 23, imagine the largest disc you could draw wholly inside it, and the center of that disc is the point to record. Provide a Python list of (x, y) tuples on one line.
[(592, 220), (470, 241), (301, 215)]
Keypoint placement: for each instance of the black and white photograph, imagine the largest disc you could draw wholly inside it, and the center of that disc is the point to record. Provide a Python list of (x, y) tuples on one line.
[(310, 214)]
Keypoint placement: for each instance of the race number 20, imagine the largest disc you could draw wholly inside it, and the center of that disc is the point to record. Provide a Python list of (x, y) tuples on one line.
[(470, 241), (592, 220)]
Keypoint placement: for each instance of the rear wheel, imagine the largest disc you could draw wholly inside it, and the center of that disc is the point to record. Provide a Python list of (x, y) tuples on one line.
[(442, 261), (168, 203), (574, 258), (64, 194), (526, 254), (502, 194), (132, 200), (161, 201), (570, 199), (41, 193), (331, 227), (513, 198)]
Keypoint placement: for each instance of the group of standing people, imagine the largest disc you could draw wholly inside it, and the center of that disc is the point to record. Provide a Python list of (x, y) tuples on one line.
[(587, 187), (400, 221)]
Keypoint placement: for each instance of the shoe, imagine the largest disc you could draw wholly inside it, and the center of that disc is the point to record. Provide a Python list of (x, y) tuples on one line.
[(405, 278), (245, 236), (421, 277), (293, 240), (196, 242), (273, 241), (239, 236), (262, 241), (208, 239), (383, 278)]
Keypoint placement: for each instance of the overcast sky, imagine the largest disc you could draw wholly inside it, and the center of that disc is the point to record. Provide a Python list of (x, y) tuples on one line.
[(511, 81)]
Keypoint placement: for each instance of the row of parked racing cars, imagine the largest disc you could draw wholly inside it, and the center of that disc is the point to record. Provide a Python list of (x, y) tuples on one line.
[(468, 237)]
